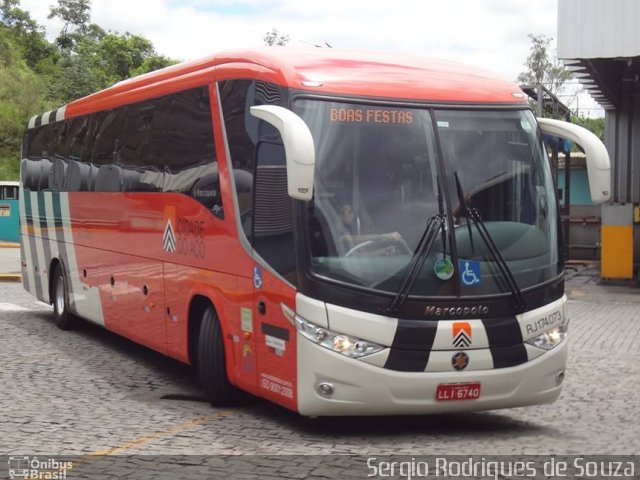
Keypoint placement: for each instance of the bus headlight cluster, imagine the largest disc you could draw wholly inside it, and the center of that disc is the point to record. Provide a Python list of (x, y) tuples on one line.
[(338, 342), (550, 338)]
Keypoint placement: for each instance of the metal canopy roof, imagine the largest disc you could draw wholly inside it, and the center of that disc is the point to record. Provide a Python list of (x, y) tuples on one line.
[(599, 41), (550, 103), (600, 77)]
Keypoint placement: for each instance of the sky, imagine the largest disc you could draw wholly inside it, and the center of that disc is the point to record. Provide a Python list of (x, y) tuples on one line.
[(487, 33)]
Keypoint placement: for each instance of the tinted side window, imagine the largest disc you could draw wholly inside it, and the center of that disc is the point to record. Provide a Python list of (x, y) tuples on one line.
[(244, 131), (133, 149), (162, 144), (184, 122), (75, 136), (233, 95), (35, 169), (258, 160), (187, 122), (108, 132)]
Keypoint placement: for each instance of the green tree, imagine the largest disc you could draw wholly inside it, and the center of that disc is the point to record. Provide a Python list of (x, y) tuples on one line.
[(28, 37), (75, 15), (273, 38), (37, 75), (92, 59), (122, 56), (76, 79), (151, 63), (20, 97), (543, 66)]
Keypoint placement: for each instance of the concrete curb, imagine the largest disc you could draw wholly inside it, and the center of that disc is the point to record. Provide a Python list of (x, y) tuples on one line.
[(9, 245), (10, 277)]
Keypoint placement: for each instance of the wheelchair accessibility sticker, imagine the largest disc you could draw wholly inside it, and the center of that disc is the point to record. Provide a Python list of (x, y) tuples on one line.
[(470, 272), (257, 277)]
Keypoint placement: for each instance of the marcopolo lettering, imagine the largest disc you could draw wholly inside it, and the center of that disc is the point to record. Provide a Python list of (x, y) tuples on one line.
[(206, 193), (433, 311)]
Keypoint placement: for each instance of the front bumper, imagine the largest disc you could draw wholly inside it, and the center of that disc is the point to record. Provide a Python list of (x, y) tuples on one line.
[(364, 389)]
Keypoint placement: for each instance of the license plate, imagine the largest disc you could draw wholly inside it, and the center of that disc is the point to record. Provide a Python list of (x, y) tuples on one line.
[(457, 391)]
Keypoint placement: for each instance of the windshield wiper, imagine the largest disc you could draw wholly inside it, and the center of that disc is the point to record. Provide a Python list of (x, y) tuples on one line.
[(429, 236), (434, 225), (473, 215)]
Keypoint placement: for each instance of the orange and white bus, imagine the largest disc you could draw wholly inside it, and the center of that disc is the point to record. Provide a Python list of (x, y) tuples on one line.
[(339, 232)]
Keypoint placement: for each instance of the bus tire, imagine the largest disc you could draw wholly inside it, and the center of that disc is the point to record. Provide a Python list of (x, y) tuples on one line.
[(212, 371), (64, 319)]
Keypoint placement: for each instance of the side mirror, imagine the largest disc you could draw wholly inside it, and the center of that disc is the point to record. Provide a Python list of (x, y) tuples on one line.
[(298, 145), (598, 164)]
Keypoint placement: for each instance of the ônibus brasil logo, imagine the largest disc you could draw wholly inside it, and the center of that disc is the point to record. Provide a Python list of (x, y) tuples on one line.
[(169, 238)]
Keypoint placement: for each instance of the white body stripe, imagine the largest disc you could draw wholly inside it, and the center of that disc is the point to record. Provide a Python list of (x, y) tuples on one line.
[(26, 246), (48, 117), (45, 118), (39, 241), (86, 300), (51, 225), (60, 113)]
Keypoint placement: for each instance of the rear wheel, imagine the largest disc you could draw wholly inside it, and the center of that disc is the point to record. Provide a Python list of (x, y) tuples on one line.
[(211, 365), (65, 320)]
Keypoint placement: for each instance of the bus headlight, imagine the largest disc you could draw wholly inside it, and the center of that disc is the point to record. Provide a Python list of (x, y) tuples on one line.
[(338, 342), (550, 338)]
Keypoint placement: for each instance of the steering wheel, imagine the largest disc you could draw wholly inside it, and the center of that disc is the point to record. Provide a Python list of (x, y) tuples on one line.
[(383, 246)]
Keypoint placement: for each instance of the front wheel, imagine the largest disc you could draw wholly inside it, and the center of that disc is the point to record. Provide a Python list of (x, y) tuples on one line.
[(65, 320), (212, 370)]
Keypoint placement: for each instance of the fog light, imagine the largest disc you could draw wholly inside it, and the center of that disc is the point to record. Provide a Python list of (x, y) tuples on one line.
[(560, 377), (325, 389)]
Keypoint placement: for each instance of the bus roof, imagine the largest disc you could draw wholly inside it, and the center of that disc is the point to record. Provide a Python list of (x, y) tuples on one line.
[(319, 70)]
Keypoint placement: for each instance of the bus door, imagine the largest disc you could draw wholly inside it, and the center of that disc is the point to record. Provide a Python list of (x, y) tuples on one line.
[(274, 277)]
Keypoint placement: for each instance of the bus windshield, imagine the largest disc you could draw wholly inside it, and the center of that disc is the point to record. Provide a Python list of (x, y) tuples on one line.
[(383, 172)]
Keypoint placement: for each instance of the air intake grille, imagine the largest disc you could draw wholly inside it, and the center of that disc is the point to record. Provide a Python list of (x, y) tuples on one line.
[(268, 93), (272, 214)]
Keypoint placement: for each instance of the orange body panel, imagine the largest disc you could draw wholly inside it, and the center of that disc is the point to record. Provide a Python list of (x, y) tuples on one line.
[(128, 248)]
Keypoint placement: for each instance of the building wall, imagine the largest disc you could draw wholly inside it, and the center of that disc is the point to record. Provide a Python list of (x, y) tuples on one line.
[(622, 138), (600, 40), (598, 28)]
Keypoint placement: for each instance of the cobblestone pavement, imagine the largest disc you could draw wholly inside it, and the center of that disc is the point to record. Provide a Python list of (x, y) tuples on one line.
[(92, 392)]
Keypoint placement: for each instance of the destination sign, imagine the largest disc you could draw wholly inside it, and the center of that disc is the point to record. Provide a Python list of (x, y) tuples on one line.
[(371, 115)]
